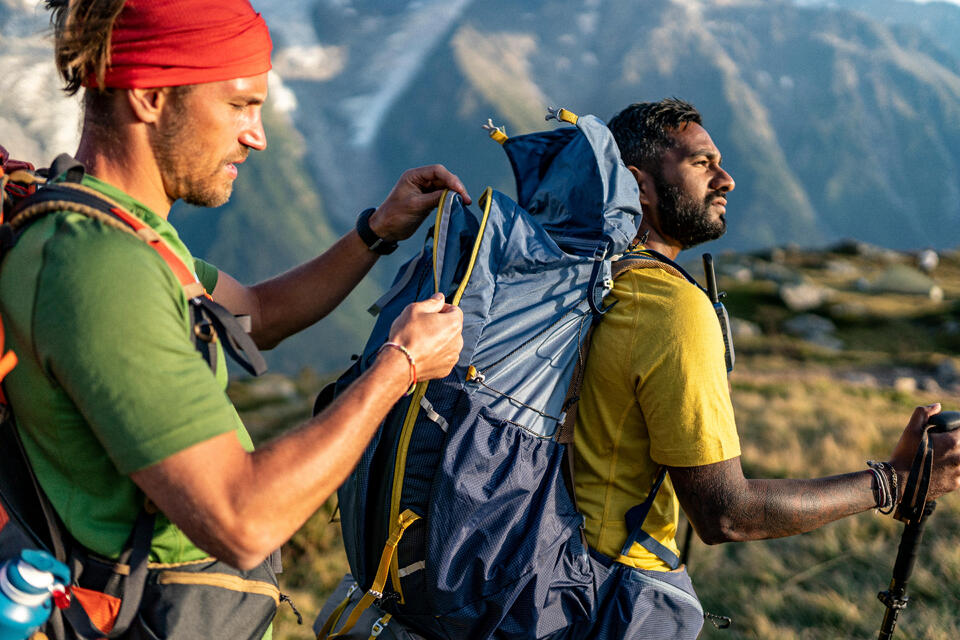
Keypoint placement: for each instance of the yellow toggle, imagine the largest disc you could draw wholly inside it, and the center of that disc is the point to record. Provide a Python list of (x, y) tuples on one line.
[(375, 592), (567, 116), (499, 136)]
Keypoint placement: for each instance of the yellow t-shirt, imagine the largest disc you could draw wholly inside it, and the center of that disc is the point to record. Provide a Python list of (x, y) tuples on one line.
[(655, 392)]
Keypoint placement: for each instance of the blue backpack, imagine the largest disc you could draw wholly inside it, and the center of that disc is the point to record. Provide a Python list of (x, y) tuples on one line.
[(458, 520)]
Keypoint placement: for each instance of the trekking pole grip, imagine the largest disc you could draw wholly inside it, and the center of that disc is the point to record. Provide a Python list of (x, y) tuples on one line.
[(895, 597)]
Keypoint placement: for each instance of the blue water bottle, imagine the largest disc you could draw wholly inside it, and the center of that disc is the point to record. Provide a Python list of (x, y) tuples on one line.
[(27, 584)]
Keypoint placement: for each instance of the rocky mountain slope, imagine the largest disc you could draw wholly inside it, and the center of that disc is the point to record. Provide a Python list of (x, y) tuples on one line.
[(837, 119), (834, 124)]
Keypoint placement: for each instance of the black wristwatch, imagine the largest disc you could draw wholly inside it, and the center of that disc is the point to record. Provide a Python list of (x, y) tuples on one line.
[(374, 242)]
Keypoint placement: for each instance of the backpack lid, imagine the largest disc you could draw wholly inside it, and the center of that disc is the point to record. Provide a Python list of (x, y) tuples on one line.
[(573, 180)]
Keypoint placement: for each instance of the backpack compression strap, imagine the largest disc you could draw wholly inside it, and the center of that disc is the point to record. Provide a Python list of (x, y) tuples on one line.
[(634, 519)]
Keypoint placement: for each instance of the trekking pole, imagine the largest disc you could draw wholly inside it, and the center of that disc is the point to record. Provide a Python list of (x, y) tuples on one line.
[(715, 295), (914, 513)]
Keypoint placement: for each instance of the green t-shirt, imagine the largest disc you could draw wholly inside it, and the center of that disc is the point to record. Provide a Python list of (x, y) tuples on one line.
[(109, 381)]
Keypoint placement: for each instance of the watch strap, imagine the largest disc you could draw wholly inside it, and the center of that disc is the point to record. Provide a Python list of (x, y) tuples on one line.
[(374, 242)]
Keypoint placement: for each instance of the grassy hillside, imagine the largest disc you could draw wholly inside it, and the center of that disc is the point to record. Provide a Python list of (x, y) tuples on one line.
[(809, 403)]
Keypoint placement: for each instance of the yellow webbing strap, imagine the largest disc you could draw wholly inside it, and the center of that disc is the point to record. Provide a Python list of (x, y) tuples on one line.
[(375, 592), (399, 465), (334, 618)]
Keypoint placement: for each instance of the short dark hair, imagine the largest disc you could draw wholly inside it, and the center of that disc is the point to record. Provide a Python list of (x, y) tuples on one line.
[(642, 130)]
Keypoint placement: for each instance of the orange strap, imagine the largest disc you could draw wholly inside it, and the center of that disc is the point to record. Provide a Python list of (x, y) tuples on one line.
[(184, 274), (8, 360)]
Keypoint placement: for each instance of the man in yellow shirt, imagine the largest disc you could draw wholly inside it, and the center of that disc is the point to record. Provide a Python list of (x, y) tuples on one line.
[(655, 427)]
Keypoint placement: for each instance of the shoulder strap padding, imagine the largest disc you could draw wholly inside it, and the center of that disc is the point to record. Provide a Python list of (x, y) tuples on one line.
[(63, 196), (629, 264), (66, 164), (79, 198)]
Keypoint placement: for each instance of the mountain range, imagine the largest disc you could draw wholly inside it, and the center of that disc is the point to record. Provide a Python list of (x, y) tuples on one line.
[(837, 119)]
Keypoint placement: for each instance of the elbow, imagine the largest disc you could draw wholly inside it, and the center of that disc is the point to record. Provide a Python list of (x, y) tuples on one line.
[(242, 562), (263, 341), (243, 545), (720, 530)]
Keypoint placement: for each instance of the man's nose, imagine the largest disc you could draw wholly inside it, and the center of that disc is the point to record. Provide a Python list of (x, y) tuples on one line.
[(723, 181), (254, 135)]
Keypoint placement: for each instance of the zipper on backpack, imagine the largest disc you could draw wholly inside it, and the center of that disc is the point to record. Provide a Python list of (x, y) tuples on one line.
[(413, 411)]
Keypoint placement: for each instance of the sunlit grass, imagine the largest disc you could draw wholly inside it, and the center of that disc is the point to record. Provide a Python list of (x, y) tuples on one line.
[(799, 416)]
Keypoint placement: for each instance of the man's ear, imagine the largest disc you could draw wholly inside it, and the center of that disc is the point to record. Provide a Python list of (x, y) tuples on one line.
[(147, 104), (645, 183)]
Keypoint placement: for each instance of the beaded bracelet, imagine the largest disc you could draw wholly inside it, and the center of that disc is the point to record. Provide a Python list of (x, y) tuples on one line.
[(409, 356)]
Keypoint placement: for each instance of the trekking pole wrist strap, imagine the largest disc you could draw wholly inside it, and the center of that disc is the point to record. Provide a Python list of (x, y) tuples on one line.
[(409, 356)]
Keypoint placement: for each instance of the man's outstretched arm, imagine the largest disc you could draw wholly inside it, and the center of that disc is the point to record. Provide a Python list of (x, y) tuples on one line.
[(239, 505), (295, 300), (724, 506)]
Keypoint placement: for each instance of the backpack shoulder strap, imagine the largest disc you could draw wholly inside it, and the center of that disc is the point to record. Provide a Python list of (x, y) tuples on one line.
[(79, 198), (650, 259), (643, 259)]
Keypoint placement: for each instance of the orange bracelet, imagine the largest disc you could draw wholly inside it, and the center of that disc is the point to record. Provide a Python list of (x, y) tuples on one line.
[(409, 356)]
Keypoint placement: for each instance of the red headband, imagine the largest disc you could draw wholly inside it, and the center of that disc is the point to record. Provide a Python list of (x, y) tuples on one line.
[(167, 43)]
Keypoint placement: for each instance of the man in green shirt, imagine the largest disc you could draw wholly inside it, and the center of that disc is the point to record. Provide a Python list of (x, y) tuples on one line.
[(112, 399)]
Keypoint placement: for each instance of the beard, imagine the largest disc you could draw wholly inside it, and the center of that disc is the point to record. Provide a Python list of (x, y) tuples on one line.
[(686, 219), (185, 165)]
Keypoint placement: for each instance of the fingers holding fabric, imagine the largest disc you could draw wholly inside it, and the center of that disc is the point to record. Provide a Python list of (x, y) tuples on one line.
[(414, 195), (431, 332)]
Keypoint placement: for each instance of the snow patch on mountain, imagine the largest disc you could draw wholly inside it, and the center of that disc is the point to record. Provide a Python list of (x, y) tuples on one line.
[(290, 20), (37, 121), (387, 74), (310, 62)]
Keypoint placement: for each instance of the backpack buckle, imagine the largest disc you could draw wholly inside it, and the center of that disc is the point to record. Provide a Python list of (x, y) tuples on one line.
[(598, 286), (378, 626), (205, 331)]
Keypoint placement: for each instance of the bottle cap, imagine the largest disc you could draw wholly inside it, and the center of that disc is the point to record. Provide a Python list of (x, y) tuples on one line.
[(25, 584)]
